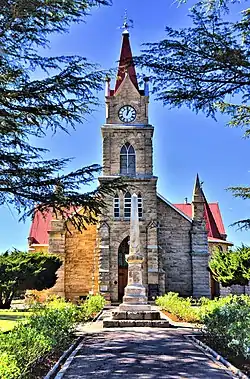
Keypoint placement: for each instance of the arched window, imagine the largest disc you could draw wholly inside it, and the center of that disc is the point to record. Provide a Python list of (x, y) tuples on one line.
[(140, 208), (127, 159), (116, 206), (127, 205)]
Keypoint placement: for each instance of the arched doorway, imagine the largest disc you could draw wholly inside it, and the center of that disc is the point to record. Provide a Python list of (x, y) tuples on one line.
[(122, 267)]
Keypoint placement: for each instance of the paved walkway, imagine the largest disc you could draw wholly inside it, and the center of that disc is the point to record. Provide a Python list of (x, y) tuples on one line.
[(142, 353)]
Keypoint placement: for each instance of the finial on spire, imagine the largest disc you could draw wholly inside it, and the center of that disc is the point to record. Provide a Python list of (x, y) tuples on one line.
[(198, 193), (127, 23)]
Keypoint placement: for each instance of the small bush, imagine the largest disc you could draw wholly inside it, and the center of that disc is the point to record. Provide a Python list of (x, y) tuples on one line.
[(47, 330), (8, 366), (227, 328), (180, 307), (56, 321), (91, 306), (191, 310)]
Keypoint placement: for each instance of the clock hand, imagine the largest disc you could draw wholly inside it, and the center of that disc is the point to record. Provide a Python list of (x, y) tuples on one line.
[(127, 111)]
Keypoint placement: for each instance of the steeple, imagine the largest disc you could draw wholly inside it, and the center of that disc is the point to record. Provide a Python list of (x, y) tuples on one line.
[(198, 201), (126, 65), (197, 192)]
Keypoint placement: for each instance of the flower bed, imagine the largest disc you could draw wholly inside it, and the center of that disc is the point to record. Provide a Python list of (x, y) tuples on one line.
[(29, 347)]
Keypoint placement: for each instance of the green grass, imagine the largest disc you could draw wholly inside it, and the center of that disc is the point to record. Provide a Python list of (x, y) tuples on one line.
[(8, 319)]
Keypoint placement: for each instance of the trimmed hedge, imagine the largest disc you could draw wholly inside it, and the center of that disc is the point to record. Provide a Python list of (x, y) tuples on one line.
[(191, 310)]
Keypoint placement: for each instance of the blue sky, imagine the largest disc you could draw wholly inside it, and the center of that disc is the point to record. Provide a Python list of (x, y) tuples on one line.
[(184, 143)]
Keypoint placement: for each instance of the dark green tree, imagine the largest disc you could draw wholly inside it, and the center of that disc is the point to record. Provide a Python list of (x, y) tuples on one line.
[(20, 271), (205, 66), (62, 96), (231, 267)]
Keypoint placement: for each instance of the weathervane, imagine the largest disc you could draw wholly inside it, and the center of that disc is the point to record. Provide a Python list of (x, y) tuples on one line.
[(127, 23)]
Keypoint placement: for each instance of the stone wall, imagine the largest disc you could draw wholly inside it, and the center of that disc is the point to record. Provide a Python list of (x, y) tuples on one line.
[(57, 246), (174, 243), (234, 290), (81, 263), (113, 140), (113, 231), (127, 94)]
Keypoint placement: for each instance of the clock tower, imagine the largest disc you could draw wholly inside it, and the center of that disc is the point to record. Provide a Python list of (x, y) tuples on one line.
[(128, 152)]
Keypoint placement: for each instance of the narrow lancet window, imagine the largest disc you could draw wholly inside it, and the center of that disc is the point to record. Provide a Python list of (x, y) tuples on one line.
[(116, 206), (127, 205), (127, 160), (140, 206)]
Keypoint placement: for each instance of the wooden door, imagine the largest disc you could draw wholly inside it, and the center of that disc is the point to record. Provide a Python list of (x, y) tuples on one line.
[(122, 267), (122, 281)]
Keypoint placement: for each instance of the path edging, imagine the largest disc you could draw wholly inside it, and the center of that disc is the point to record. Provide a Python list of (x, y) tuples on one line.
[(218, 357), (66, 365), (52, 372), (55, 370)]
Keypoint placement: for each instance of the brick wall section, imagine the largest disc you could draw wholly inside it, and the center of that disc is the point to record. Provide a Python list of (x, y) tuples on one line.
[(174, 243), (81, 274), (57, 246)]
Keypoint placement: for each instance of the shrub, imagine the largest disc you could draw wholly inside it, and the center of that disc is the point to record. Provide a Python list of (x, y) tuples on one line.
[(191, 310), (8, 367), (24, 345), (47, 330), (91, 306), (49, 327), (180, 307), (227, 328), (56, 321)]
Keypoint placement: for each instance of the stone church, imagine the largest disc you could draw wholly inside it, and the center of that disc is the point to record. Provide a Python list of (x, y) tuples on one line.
[(176, 239)]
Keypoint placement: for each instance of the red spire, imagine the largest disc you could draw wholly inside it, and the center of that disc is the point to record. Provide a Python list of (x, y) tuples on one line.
[(126, 63)]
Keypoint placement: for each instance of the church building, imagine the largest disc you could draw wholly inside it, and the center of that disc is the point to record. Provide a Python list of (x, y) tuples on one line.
[(176, 239)]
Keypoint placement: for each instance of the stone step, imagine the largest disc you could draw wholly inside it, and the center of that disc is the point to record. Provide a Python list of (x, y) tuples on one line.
[(111, 323), (136, 315)]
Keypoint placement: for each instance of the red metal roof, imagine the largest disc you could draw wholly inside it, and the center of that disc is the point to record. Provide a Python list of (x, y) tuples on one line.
[(126, 64), (41, 223), (39, 228), (213, 217)]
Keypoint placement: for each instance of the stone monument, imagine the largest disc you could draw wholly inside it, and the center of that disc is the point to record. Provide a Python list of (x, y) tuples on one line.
[(135, 298), (134, 310)]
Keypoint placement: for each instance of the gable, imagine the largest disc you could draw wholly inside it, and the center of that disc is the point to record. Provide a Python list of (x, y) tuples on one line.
[(175, 208)]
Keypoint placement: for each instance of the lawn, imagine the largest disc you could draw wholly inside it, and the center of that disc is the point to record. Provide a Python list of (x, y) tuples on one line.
[(8, 319)]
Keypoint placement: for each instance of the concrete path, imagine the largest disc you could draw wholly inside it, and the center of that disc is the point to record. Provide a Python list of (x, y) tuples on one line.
[(142, 353)]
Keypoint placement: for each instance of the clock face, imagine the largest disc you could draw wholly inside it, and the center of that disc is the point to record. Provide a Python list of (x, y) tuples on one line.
[(127, 113)]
